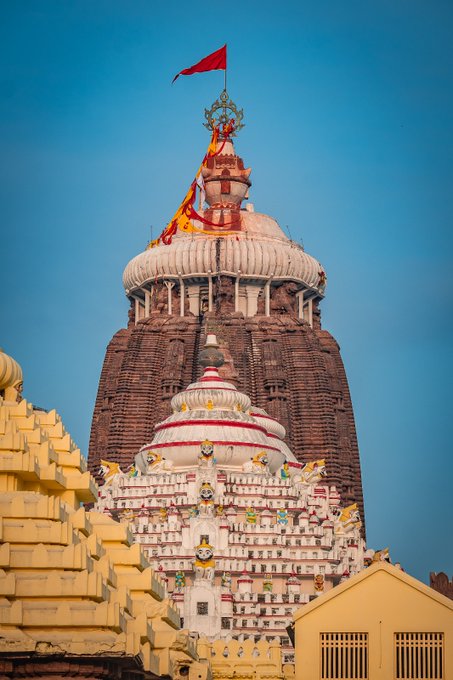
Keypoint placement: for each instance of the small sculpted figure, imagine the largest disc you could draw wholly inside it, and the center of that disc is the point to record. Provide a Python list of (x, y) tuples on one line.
[(259, 464), (250, 516), (348, 519), (163, 512), (206, 500), (267, 583), (133, 471), (109, 471), (180, 580), (206, 455), (156, 463), (226, 580), (204, 563), (311, 473), (284, 471), (282, 516), (319, 584)]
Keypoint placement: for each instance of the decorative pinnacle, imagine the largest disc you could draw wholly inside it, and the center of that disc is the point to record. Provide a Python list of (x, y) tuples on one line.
[(217, 115), (210, 355)]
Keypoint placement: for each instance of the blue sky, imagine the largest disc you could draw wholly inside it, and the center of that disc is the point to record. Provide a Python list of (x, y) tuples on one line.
[(348, 112)]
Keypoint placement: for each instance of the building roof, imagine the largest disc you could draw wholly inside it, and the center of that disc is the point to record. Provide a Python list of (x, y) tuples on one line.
[(369, 573)]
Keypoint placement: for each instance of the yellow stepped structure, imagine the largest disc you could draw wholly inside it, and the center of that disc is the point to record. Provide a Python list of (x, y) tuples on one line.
[(77, 596), (245, 660)]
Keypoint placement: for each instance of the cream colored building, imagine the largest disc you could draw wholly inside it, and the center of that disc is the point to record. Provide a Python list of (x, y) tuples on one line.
[(381, 624)]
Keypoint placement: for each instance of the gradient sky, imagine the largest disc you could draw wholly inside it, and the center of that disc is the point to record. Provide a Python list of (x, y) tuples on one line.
[(348, 112)]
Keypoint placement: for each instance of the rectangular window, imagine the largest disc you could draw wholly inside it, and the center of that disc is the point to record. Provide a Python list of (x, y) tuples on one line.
[(225, 622), (419, 656), (344, 656), (202, 608), (204, 538)]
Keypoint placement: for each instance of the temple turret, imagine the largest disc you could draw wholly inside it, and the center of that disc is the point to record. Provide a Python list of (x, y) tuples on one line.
[(227, 269)]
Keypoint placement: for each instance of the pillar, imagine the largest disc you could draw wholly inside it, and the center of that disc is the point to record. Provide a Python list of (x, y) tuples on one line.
[(209, 292), (182, 295), (236, 292), (300, 301), (147, 300), (193, 292), (170, 285), (267, 297)]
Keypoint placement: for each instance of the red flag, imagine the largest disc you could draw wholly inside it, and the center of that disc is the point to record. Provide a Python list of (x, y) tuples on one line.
[(213, 62)]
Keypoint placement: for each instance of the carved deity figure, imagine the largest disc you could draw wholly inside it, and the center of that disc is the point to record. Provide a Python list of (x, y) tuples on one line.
[(250, 516), (283, 300), (204, 563), (284, 471), (311, 473), (156, 463), (226, 580), (267, 583), (206, 500), (193, 511), (109, 471), (163, 514), (180, 580), (133, 471), (282, 516), (319, 584), (348, 519), (257, 464), (206, 455)]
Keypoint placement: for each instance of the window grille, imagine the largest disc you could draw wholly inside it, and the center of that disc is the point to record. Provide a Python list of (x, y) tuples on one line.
[(344, 656), (419, 656), (202, 608)]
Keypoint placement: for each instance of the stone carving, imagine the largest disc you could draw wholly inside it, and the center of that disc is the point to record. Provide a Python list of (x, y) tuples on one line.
[(259, 464), (206, 500), (204, 563), (225, 296), (348, 519), (319, 584), (283, 299), (311, 473), (226, 580), (157, 463), (133, 471), (180, 580), (159, 298), (282, 516), (206, 455), (267, 583), (284, 471), (250, 516), (109, 471)]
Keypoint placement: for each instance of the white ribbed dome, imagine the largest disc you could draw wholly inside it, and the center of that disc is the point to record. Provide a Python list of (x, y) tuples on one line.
[(214, 409), (212, 390), (260, 250)]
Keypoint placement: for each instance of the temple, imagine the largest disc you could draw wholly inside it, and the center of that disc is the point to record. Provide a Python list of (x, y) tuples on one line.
[(233, 272), (240, 530)]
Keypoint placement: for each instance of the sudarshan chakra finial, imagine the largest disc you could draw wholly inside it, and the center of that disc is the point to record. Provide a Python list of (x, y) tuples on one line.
[(222, 111)]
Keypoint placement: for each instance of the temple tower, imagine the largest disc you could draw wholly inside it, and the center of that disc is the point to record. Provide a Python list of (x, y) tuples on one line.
[(234, 273)]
